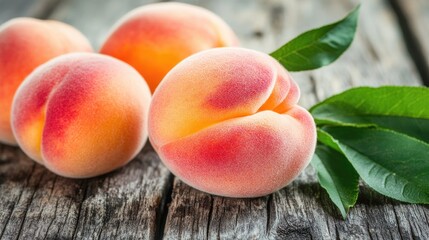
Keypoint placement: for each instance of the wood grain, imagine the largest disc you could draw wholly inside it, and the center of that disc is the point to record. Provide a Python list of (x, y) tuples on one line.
[(414, 19), (26, 8), (37, 204), (142, 201), (95, 18)]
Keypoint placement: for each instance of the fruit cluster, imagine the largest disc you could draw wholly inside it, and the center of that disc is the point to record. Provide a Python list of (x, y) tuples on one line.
[(223, 119)]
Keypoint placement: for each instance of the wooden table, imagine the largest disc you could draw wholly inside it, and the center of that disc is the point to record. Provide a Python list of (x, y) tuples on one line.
[(143, 200)]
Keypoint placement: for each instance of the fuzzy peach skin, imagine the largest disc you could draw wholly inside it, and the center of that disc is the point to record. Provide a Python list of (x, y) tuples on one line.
[(155, 37), (225, 121), (26, 43), (81, 114)]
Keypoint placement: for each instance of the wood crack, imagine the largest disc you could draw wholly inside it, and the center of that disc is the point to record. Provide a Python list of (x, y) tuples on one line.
[(7, 222), (85, 187), (52, 221), (369, 231), (44, 9), (397, 222), (412, 43), (162, 211), (30, 200), (268, 226), (209, 217), (65, 220), (106, 209), (337, 233), (313, 83)]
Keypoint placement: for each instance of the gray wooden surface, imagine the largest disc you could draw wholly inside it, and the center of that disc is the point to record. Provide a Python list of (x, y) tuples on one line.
[(414, 16), (143, 200)]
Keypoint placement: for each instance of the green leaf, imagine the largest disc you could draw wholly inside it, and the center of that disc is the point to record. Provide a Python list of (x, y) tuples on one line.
[(393, 164), (403, 109), (327, 139), (337, 176), (318, 47)]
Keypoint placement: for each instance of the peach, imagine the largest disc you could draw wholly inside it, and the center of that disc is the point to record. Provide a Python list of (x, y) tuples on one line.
[(26, 43), (226, 121), (155, 37), (81, 114)]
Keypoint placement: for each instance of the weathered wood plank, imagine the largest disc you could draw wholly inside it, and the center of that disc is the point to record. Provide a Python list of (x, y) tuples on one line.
[(95, 18), (13, 9), (414, 18), (303, 210), (26, 8), (37, 204)]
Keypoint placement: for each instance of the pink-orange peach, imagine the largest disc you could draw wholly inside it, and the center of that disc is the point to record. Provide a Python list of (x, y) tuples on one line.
[(155, 37), (26, 43), (81, 114), (226, 121)]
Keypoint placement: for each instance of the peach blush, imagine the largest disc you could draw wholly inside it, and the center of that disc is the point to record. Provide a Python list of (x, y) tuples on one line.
[(26, 43), (226, 121), (155, 37), (81, 115)]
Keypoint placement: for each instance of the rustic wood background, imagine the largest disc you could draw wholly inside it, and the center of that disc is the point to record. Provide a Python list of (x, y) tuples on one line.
[(144, 201)]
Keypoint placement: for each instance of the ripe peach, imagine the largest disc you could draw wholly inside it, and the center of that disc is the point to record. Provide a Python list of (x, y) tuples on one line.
[(155, 37), (25, 43), (81, 114), (226, 121)]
